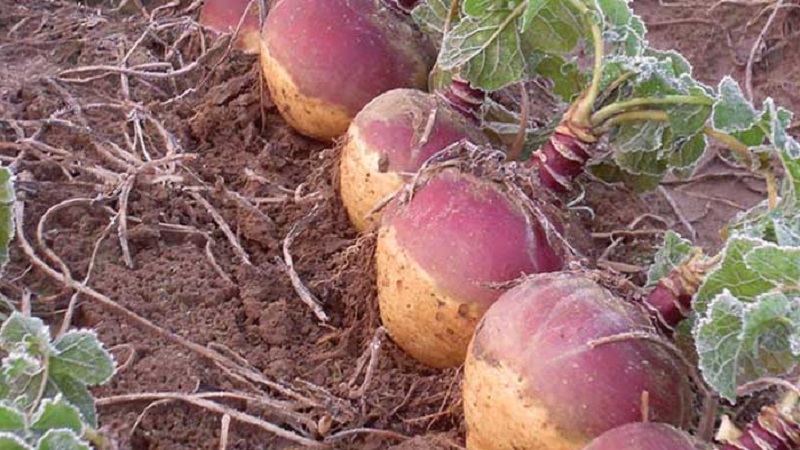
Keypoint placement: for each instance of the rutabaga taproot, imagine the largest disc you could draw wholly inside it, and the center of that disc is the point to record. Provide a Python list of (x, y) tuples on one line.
[(224, 16), (439, 254), (325, 60), (389, 140), (537, 376), (646, 436)]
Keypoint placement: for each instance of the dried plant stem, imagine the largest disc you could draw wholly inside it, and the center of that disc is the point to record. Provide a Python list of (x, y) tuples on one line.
[(756, 45), (372, 353), (122, 230), (678, 212), (518, 145), (223, 225), (288, 265), (213, 261), (225, 426), (73, 302), (209, 405), (115, 308)]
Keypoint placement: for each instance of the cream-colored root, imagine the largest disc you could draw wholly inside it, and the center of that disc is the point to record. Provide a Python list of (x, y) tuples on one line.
[(361, 183), (309, 116), (431, 327), (500, 417), (249, 42)]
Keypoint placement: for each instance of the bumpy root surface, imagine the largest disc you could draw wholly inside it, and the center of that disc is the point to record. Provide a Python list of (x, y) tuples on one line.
[(362, 184), (430, 326), (309, 116), (500, 391)]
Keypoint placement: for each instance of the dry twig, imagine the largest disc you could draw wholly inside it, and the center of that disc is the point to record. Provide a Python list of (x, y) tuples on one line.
[(288, 265)]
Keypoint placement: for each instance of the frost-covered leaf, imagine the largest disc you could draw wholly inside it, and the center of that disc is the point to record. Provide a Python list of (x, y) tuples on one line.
[(673, 251), (678, 64), (61, 440), (554, 26), (610, 172), (565, 77), (56, 413), (638, 149), (7, 198), (10, 441), (635, 43), (11, 418), (82, 356), (431, 16), (28, 330), (732, 111), (664, 74), (487, 49), (689, 119), (77, 394), (733, 274), (788, 149), (476, 8), (498, 42), (687, 153), (739, 342), (22, 377), (775, 264)]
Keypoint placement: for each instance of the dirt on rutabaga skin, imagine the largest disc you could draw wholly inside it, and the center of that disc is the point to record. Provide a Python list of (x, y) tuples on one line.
[(218, 111)]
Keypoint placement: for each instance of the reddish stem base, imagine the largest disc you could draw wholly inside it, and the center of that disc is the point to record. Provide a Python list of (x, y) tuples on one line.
[(770, 431), (671, 299)]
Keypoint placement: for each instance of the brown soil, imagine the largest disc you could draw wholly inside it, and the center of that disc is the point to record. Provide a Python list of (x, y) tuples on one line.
[(68, 140)]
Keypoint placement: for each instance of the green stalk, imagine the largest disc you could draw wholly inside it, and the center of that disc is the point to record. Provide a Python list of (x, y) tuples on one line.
[(586, 104), (726, 139), (615, 108), (731, 142), (630, 116)]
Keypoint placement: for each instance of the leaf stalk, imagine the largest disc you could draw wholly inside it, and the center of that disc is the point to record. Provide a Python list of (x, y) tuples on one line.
[(630, 116), (615, 108), (732, 143), (584, 110)]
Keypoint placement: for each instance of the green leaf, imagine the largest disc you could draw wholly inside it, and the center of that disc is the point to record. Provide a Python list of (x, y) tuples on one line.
[(674, 250), (487, 50), (82, 356), (77, 394), (610, 172), (56, 413), (61, 440), (788, 149), (689, 119), (476, 8), (687, 153), (7, 199), (9, 441), (738, 342), (732, 111), (566, 77), (637, 149), (31, 331), (11, 419), (22, 377), (677, 65), (431, 16), (635, 44), (775, 264), (553, 26), (733, 274)]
